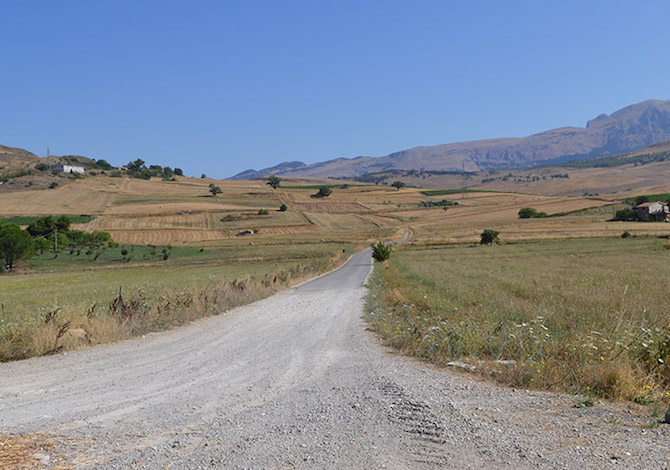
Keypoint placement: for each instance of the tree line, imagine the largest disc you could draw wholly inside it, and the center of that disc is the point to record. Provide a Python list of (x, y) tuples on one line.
[(44, 234)]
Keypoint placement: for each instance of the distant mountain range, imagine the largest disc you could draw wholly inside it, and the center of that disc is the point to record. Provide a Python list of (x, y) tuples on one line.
[(631, 128)]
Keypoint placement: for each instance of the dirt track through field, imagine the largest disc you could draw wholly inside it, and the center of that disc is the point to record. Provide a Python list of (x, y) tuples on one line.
[(295, 381)]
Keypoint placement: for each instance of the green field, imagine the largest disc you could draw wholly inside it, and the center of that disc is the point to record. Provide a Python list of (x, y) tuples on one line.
[(137, 256), (581, 315), (190, 284)]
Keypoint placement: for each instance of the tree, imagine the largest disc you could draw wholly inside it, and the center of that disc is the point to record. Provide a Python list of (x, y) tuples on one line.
[(381, 251), (398, 185), (41, 245), (641, 200), (489, 237), (274, 181), (203, 176), (214, 189), (136, 166), (625, 215), (103, 164), (43, 226), (63, 223), (15, 244), (178, 172), (324, 191), (283, 208), (59, 241), (42, 167)]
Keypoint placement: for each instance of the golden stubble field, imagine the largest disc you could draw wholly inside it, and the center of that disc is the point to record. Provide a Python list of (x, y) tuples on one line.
[(183, 212), (620, 180)]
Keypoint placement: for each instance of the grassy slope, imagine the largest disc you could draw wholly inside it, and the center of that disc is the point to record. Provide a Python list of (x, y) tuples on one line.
[(583, 315)]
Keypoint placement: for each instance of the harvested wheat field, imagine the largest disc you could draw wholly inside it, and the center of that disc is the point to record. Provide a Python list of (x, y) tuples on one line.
[(74, 199)]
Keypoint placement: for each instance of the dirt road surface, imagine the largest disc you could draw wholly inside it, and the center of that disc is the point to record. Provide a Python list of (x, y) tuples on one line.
[(296, 381)]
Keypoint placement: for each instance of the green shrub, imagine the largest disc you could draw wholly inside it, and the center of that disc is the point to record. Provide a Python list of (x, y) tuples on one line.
[(263, 212), (489, 237), (381, 251), (626, 234), (283, 208), (625, 215), (324, 191), (531, 213)]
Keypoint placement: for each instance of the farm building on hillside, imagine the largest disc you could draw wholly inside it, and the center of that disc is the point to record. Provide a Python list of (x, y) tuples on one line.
[(69, 168), (653, 211)]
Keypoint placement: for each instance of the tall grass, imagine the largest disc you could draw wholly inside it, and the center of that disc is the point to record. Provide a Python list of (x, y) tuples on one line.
[(580, 315), (78, 305), (136, 312)]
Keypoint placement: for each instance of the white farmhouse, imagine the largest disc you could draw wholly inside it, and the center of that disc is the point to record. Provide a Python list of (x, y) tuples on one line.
[(69, 168)]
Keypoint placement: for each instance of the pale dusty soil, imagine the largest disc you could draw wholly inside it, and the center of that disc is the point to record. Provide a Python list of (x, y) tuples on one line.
[(296, 381)]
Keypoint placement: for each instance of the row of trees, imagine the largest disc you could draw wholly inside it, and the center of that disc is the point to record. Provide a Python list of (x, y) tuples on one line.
[(139, 169), (45, 233)]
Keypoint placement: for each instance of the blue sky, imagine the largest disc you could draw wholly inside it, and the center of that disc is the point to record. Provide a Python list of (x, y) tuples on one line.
[(217, 87)]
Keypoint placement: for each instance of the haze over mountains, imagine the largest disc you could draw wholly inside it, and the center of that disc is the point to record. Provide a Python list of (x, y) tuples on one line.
[(628, 129)]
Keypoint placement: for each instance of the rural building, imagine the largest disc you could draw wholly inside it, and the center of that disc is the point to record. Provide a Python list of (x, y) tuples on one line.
[(653, 211), (69, 168)]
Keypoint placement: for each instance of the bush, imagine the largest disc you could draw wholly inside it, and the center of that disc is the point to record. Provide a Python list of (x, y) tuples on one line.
[(489, 237), (324, 191), (626, 234), (53, 185), (263, 212), (625, 215), (283, 208), (531, 213), (380, 251)]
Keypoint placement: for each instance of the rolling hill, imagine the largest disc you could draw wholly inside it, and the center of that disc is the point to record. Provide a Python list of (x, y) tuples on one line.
[(628, 129)]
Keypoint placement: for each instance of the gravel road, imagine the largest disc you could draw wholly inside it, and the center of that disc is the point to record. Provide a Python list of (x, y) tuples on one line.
[(296, 381)]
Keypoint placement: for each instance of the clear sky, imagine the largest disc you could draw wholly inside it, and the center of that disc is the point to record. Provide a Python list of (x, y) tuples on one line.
[(217, 87)]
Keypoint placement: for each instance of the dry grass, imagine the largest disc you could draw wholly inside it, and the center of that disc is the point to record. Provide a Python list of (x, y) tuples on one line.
[(138, 312), (581, 315), (28, 452)]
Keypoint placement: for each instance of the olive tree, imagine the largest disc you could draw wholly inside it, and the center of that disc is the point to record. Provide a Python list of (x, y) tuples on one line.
[(15, 244)]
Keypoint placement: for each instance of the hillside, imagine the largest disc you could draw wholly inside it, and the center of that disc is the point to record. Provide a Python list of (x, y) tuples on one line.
[(628, 129)]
